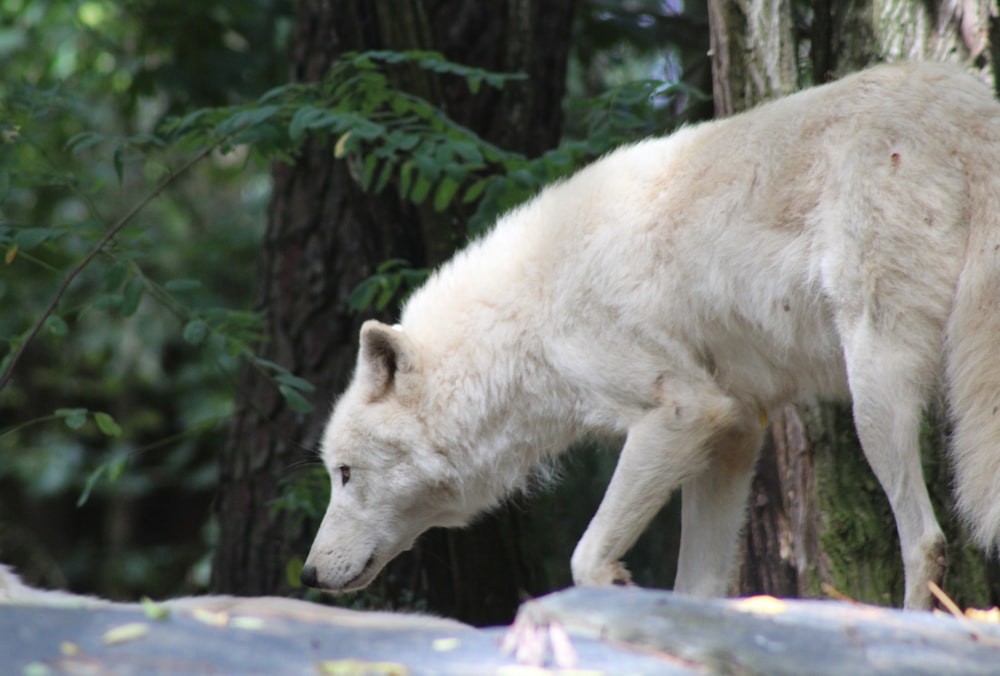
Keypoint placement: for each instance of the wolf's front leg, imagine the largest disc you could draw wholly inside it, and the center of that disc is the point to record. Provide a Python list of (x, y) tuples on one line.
[(713, 512), (667, 446)]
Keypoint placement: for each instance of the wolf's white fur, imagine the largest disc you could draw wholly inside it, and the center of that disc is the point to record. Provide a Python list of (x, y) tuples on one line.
[(844, 241)]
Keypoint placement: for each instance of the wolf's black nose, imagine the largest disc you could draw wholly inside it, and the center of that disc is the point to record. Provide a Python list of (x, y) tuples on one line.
[(308, 576)]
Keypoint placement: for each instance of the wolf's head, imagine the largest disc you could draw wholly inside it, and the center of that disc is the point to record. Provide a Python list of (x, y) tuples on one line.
[(389, 480)]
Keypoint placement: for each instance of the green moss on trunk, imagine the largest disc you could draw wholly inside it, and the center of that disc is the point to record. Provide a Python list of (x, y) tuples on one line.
[(859, 546)]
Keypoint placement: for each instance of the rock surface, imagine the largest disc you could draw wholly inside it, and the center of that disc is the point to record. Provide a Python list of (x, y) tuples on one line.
[(578, 631)]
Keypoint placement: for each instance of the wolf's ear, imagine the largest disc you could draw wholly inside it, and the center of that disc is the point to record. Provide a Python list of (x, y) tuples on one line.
[(387, 356)]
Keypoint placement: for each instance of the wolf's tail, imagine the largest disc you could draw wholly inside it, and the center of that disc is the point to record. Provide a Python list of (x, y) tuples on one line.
[(972, 370)]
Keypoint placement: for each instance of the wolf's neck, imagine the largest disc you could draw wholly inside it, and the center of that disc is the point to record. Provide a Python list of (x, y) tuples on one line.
[(499, 410), (481, 321)]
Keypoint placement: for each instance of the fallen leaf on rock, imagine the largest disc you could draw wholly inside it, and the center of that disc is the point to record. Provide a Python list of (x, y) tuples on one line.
[(69, 649), (154, 610), (36, 669), (443, 645), (246, 622), (125, 633), (361, 668), (216, 619)]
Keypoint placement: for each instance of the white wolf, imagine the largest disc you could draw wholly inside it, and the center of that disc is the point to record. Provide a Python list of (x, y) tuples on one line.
[(843, 241)]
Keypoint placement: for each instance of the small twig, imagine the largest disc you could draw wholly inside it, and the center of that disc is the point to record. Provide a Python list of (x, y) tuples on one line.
[(945, 600), (85, 261), (963, 618), (834, 593)]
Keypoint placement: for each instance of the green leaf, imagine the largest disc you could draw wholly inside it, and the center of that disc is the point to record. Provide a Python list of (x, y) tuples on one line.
[(405, 178), (391, 264), (389, 287), (246, 118), (82, 141), (268, 364), (116, 466), (469, 152), (115, 276), (403, 141), (107, 425), (414, 278), (132, 295), (445, 192), (523, 178), (294, 381), (88, 486), (421, 189), (311, 117), (364, 294), (474, 191), (559, 157), (428, 164), (295, 401), (29, 238), (56, 325), (368, 130), (371, 163), (195, 331), (113, 468), (75, 418), (384, 176), (108, 301), (302, 120), (187, 122)]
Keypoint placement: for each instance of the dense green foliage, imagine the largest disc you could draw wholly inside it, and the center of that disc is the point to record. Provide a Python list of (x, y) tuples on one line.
[(120, 382)]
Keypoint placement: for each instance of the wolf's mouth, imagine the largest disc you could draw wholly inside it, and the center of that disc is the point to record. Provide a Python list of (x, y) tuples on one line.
[(353, 584)]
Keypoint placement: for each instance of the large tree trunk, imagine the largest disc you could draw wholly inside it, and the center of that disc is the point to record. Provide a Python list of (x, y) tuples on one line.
[(819, 523), (324, 236), (753, 52)]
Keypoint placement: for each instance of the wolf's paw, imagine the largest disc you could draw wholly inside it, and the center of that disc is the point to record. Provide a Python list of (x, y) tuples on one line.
[(532, 639), (603, 574), (619, 575), (613, 573)]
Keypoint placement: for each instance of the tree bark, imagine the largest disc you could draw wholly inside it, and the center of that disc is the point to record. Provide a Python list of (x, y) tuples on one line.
[(753, 52), (324, 236), (851, 35)]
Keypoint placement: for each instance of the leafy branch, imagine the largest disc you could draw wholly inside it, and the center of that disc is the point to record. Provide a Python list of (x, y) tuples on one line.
[(85, 261), (390, 139)]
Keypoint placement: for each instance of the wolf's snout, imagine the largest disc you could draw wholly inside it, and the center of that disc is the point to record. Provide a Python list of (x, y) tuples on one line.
[(308, 576)]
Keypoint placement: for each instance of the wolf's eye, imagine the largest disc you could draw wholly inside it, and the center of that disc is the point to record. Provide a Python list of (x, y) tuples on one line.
[(345, 474)]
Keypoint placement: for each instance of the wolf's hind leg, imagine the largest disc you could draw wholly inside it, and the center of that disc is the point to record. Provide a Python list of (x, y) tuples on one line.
[(887, 391), (665, 447)]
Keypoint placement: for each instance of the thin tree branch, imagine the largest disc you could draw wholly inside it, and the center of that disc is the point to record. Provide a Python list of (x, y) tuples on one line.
[(85, 261)]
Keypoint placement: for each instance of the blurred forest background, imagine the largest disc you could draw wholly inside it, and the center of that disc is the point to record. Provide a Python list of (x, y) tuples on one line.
[(201, 202)]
